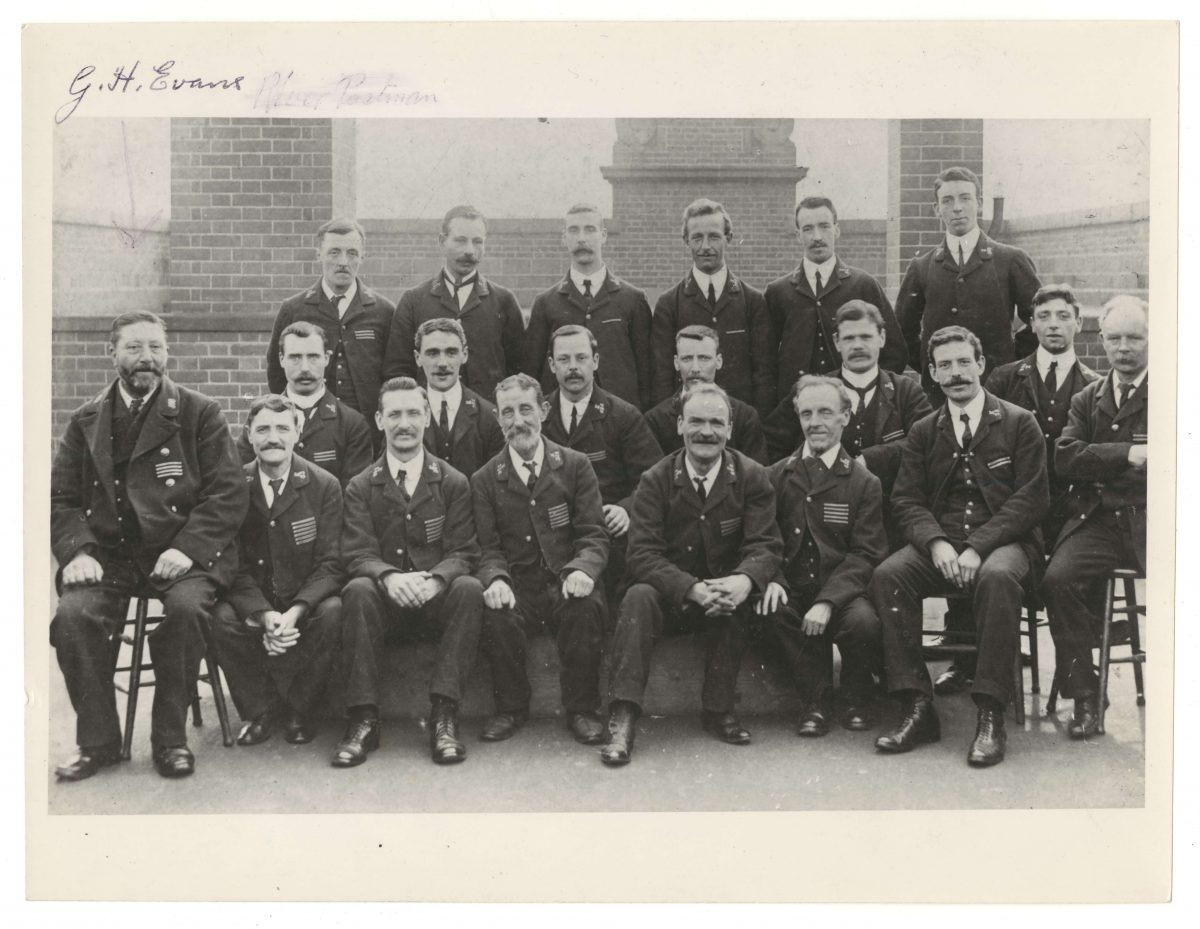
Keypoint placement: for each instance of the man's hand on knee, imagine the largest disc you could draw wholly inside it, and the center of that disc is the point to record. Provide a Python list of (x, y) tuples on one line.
[(82, 569), (968, 566), (499, 596), (171, 564), (945, 559)]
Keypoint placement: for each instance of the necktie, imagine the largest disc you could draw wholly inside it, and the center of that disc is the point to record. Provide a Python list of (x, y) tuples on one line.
[(531, 481), (712, 294), (1052, 378), (444, 417), (962, 260), (1126, 390), (574, 419), (700, 489), (966, 436), (817, 289), (862, 393), (135, 406), (400, 482), (815, 466), (337, 305), (276, 485), (587, 290)]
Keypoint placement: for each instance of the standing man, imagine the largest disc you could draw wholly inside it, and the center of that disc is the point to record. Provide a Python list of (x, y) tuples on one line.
[(803, 304), (146, 496), (604, 427), (703, 539), (408, 545), (354, 318), (541, 528), (698, 359), (1103, 451), (463, 428), (969, 280), (970, 497), (830, 513), (488, 313), (332, 433), (615, 312), (285, 594), (710, 295)]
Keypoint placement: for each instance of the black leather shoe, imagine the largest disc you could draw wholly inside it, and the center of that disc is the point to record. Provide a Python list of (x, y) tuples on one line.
[(587, 728), (174, 762), (503, 725), (951, 681), (259, 729), (87, 762), (988, 747), (444, 744), (1086, 721), (919, 725), (814, 721), (725, 726), (361, 738), (297, 729), (857, 719), (622, 725)]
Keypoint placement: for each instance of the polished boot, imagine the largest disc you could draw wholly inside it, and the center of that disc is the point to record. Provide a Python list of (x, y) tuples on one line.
[(297, 729), (503, 725), (857, 718), (259, 729), (814, 721), (1086, 721), (919, 725), (361, 738), (176, 761), (587, 728), (951, 681), (988, 747), (444, 744), (725, 726), (622, 720), (87, 762)]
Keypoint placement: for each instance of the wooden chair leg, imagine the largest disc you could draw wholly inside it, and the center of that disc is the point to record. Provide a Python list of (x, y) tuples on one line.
[(1018, 688), (1105, 638), (1135, 639), (135, 675), (1031, 620), (218, 691)]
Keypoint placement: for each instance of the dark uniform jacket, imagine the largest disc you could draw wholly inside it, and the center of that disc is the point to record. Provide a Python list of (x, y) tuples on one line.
[(616, 440), (802, 322), (745, 431), (335, 436), (490, 318), (289, 554), (748, 351), (619, 318), (1008, 464), (434, 532), (361, 334), (561, 524), (475, 434), (934, 293), (1093, 453), (677, 540), (183, 480), (843, 512)]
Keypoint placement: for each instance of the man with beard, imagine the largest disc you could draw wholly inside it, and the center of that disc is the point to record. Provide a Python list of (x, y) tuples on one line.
[(615, 312), (489, 313), (146, 496), (463, 429), (698, 359), (333, 435), (711, 295), (540, 520)]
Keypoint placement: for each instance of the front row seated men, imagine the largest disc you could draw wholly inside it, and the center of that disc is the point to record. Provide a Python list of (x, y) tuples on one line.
[(830, 513), (702, 539), (146, 496), (286, 592), (970, 497)]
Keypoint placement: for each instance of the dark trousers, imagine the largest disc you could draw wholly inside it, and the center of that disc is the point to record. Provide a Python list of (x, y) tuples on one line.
[(83, 631), (248, 668), (642, 620), (907, 577), (1073, 594), (854, 629), (453, 618), (578, 626)]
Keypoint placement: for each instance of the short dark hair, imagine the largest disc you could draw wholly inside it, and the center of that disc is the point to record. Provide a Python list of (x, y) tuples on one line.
[(705, 207), (697, 333), (819, 380), (1064, 292), (948, 334), (958, 174), (853, 310), (303, 330), (521, 381), (585, 208), (274, 403), (440, 324), (132, 319), (697, 390), (393, 384), (462, 211), (341, 226), (814, 203), (563, 332)]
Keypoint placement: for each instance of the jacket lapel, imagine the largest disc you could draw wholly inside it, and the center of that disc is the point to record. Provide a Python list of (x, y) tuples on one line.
[(800, 282), (991, 416), (1135, 404), (733, 287), (291, 490), (567, 291), (439, 290), (1106, 402), (98, 434), (468, 413), (725, 477), (430, 474), (1029, 371), (382, 478), (885, 393), (161, 419), (478, 293)]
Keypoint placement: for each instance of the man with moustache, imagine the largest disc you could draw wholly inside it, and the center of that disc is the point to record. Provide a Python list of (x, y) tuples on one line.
[(463, 428), (698, 359), (285, 595), (145, 499), (1103, 451), (970, 496), (353, 317), (830, 513), (488, 313), (332, 434), (604, 427), (803, 305), (710, 295), (408, 545), (615, 312), (541, 523), (702, 540)]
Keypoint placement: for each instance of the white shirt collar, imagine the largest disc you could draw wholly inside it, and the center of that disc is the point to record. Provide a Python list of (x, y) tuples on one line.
[(596, 277), (412, 469), (1066, 361), (453, 398), (967, 241), (305, 403), (129, 398), (974, 411), (266, 482), (564, 407), (718, 279), (826, 268), (1137, 385), (829, 456), (519, 463), (336, 300), (859, 380), (709, 478)]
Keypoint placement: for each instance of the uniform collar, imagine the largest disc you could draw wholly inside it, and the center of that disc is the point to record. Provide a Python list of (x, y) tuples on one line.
[(335, 298), (453, 398), (305, 403), (518, 463), (827, 268), (129, 398), (564, 406), (829, 457), (718, 279), (1066, 361), (596, 277), (412, 467), (709, 479), (968, 243), (854, 379), (974, 411)]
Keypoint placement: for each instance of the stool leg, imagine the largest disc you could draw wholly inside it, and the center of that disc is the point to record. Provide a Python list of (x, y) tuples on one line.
[(135, 676), (1135, 640), (1052, 700), (1018, 688), (197, 716), (1105, 636), (1031, 620), (218, 691)]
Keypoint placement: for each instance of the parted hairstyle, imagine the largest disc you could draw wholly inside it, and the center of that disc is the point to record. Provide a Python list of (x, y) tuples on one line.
[(1125, 301), (585, 208), (394, 384), (948, 334), (704, 390), (341, 226), (521, 381), (819, 380), (462, 211), (274, 403), (303, 330), (132, 319), (705, 207), (564, 332), (441, 324), (815, 203), (958, 174), (1064, 292), (697, 333), (853, 310)]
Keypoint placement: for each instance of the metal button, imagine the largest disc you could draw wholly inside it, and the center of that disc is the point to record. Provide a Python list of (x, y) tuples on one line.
[(1047, 435), (170, 482), (399, 551), (408, 516), (954, 310), (272, 524), (528, 538), (260, 561), (797, 531), (89, 512), (808, 499), (299, 445), (1115, 427), (689, 548), (701, 519), (532, 502), (173, 510), (118, 481), (164, 451)]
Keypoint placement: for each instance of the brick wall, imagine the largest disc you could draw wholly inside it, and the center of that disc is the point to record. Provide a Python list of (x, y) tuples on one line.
[(103, 270)]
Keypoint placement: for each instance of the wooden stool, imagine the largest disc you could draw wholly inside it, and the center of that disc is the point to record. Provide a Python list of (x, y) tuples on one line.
[(142, 622)]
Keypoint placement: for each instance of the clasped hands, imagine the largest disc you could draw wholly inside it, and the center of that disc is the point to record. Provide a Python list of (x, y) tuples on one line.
[(720, 596), (411, 590)]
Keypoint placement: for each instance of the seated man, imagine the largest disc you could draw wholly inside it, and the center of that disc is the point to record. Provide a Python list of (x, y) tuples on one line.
[(830, 513), (408, 545), (1103, 451), (702, 540), (285, 594), (970, 496), (544, 548)]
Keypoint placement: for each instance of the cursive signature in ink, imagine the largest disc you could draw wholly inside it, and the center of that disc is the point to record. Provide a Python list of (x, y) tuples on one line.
[(126, 80)]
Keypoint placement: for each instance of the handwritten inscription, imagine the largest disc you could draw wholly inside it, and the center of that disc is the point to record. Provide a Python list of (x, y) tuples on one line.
[(162, 77), (280, 91)]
